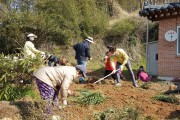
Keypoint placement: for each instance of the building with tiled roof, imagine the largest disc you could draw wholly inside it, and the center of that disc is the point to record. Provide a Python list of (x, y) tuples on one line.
[(160, 12), (166, 59)]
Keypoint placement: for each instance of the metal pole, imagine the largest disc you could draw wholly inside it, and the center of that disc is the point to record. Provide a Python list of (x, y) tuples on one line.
[(147, 45)]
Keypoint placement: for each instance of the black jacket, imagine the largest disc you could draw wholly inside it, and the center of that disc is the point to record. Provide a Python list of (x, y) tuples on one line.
[(82, 50)]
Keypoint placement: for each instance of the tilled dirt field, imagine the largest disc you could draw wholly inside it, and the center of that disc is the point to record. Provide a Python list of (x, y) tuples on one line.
[(129, 96), (117, 97)]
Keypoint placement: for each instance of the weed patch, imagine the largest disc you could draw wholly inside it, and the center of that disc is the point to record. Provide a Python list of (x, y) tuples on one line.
[(127, 113), (166, 98), (145, 85), (109, 113), (90, 98)]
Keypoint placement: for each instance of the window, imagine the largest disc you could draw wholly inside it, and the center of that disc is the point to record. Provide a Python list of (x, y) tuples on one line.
[(178, 40), (156, 57)]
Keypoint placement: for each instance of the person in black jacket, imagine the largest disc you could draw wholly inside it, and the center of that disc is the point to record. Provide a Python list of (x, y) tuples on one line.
[(52, 60), (83, 51)]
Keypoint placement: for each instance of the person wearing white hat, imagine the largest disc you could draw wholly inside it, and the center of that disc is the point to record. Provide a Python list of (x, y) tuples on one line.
[(83, 51), (90, 39), (29, 48)]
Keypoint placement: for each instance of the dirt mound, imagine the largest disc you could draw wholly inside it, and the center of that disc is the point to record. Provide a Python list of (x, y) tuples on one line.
[(9, 112)]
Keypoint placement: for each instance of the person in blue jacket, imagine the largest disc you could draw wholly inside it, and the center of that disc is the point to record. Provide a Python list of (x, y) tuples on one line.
[(83, 51)]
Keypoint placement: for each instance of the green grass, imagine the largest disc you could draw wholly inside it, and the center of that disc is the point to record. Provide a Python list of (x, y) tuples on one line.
[(31, 93), (135, 65)]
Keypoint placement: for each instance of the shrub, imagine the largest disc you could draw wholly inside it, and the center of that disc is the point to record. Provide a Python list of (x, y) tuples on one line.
[(12, 71)]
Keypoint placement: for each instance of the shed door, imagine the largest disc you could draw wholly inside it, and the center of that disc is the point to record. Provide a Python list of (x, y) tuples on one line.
[(153, 58)]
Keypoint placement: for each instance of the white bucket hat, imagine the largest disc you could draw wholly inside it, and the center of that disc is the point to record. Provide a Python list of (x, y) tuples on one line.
[(90, 39), (31, 35)]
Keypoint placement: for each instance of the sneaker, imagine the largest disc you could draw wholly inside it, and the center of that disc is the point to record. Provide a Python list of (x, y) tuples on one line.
[(56, 117), (118, 84), (62, 106)]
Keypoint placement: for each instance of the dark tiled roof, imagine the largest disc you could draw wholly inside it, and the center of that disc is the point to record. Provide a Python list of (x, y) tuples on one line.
[(158, 12)]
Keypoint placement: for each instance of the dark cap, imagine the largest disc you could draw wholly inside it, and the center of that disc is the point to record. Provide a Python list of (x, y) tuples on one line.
[(112, 49), (82, 69)]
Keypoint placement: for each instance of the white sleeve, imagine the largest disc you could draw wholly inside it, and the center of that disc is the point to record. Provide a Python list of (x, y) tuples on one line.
[(31, 47)]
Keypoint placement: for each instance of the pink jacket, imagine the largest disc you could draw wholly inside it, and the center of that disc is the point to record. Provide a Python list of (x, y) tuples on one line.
[(144, 76), (57, 76)]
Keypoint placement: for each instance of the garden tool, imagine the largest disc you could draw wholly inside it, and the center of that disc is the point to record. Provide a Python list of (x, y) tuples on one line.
[(106, 76)]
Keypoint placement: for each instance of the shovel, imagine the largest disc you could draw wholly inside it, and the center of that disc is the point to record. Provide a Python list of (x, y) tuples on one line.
[(105, 76)]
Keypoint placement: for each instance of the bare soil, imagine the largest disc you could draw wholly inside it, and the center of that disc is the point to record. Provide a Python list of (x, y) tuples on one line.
[(129, 96), (116, 97)]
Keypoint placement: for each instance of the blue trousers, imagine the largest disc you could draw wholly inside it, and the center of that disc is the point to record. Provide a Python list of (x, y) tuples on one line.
[(80, 62)]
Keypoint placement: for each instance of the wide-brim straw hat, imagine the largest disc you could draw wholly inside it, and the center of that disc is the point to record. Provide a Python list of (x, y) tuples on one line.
[(90, 39), (32, 35)]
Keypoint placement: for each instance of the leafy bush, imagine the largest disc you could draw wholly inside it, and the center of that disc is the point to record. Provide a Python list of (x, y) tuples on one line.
[(89, 98), (166, 98), (12, 71)]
